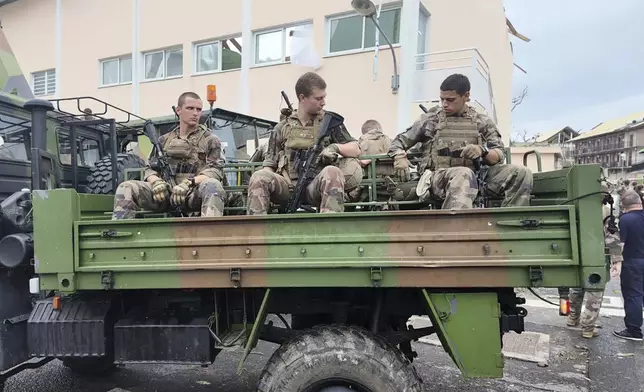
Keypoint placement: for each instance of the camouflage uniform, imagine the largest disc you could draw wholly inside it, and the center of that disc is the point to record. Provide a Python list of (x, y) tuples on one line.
[(375, 142), (199, 153), (448, 176), (588, 319), (326, 191)]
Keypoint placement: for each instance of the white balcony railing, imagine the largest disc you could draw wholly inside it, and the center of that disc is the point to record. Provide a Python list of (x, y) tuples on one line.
[(433, 68)]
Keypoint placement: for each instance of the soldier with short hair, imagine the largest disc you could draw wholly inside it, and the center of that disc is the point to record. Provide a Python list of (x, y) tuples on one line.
[(373, 142), (195, 153), (335, 175), (453, 136)]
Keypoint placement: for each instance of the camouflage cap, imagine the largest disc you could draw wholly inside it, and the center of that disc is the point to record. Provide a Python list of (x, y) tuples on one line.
[(630, 198)]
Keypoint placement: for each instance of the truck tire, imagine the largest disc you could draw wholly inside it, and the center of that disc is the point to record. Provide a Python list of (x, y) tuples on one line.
[(89, 366), (335, 358), (99, 180)]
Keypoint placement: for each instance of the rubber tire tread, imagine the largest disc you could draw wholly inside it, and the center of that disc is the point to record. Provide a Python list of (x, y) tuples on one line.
[(99, 180), (365, 358)]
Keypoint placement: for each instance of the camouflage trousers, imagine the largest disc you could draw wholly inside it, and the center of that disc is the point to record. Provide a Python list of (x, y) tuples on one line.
[(587, 319), (458, 186), (326, 191), (209, 197), (353, 174)]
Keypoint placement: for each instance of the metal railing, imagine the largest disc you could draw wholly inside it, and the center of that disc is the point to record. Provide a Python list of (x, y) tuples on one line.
[(433, 68)]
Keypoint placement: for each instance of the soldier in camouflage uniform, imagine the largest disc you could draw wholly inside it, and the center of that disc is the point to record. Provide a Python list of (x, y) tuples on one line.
[(295, 134), (195, 153), (453, 136), (588, 318)]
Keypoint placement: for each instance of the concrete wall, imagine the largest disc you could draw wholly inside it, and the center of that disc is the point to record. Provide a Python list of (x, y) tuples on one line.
[(93, 30)]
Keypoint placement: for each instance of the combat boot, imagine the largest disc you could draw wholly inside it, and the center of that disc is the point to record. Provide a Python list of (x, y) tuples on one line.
[(572, 321), (589, 334)]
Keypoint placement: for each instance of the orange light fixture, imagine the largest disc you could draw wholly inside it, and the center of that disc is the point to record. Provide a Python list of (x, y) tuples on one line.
[(57, 303), (211, 93), (564, 306)]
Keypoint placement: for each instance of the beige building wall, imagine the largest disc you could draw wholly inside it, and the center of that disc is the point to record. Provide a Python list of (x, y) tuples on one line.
[(550, 157), (94, 30)]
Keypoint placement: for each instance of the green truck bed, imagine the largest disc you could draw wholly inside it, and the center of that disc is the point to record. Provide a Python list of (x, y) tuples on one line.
[(546, 244)]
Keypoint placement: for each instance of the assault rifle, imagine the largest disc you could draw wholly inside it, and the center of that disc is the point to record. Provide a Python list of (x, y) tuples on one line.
[(288, 102), (286, 112), (159, 161), (423, 108), (307, 164), (480, 169)]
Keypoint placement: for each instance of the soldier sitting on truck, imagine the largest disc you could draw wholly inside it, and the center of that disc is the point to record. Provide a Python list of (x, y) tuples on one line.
[(195, 153), (294, 135), (456, 137)]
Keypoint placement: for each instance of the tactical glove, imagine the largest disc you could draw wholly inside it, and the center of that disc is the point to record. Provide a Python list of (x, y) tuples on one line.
[(180, 192), (329, 155), (401, 167), (472, 151), (160, 191)]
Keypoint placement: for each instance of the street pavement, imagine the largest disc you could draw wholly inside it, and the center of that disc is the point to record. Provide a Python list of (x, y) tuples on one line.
[(574, 364)]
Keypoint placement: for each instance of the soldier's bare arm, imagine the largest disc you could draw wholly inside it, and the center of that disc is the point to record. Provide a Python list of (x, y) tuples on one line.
[(491, 135), (273, 148), (214, 163), (348, 147)]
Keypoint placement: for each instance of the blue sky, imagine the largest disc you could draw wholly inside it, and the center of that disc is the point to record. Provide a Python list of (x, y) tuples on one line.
[(585, 63)]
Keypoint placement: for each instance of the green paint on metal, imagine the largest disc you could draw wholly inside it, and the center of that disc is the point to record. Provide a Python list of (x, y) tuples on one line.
[(468, 328), (254, 333), (167, 277), (54, 215)]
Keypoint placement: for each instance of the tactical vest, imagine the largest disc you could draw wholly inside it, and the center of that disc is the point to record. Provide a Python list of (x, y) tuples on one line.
[(297, 139), (186, 155), (452, 134), (377, 144)]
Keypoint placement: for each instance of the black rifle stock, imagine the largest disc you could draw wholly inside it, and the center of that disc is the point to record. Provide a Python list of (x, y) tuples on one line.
[(159, 161), (306, 165), (482, 197), (423, 108)]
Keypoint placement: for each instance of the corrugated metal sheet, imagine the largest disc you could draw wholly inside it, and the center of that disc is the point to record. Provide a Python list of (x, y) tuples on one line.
[(611, 126)]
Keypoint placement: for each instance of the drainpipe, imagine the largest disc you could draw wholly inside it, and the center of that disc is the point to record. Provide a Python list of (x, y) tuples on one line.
[(59, 45), (408, 50), (136, 57), (247, 40)]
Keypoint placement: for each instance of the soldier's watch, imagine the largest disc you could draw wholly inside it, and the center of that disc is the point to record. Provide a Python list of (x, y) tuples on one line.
[(485, 152), (192, 182)]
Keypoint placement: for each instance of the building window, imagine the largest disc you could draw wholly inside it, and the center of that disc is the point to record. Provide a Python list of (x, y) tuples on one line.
[(163, 64), (355, 32), (218, 55), (116, 71), (44, 82), (274, 46), (423, 21)]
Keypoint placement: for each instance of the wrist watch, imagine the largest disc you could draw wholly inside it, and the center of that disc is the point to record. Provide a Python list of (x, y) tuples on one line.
[(485, 151), (192, 182)]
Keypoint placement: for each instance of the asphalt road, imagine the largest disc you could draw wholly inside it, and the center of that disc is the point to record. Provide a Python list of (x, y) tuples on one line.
[(575, 365)]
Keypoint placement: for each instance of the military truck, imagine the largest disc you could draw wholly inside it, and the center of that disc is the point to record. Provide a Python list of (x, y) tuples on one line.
[(96, 293)]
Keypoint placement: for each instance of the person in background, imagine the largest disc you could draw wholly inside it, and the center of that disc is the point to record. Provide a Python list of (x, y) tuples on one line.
[(631, 230), (590, 315)]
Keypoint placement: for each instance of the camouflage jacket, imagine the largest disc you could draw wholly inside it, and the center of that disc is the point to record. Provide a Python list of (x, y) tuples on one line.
[(276, 142), (374, 142), (204, 157), (424, 129)]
